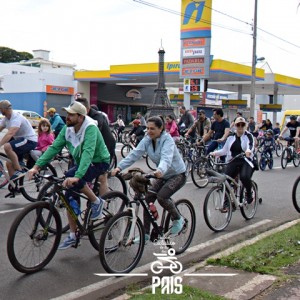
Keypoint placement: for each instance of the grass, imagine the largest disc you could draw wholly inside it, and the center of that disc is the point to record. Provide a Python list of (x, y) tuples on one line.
[(267, 256), (187, 293)]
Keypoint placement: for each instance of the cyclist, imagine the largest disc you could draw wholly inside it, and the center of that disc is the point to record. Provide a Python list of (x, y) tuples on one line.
[(109, 139), (84, 141), (220, 129), (56, 121), (268, 143), (186, 120), (19, 139), (292, 126), (240, 142), (161, 148), (202, 125), (142, 119), (121, 126), (137, 132)]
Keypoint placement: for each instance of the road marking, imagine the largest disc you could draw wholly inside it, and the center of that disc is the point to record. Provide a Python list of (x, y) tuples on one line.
[(121, 274), (10, 210), (211, 274)]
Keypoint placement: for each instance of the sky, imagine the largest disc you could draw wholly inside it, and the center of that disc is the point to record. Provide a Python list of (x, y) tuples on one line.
[(95, 34)]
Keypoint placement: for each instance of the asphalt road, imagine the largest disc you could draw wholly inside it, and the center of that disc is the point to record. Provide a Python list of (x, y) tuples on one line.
[(75, 268)]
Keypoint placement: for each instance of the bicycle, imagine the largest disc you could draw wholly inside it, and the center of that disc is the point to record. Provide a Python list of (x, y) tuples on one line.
[(296, 194), (35, 234), (227, 196), (265, 160), (123, 239), (21, 185), (290, 154)]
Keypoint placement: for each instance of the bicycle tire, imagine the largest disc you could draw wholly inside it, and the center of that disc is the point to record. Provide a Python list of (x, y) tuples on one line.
[(29, 252), (117, 183), (284, 158), (198, 173), (115, 203), (296, 159), (3, 180), (151, 165), (126, 149), (213, 205), (181, 241), (270, 163), (48, 194), (278, 148), (115, 255), (262, 163), (113, 162), (30, 189), (296, 194), (248, 211)]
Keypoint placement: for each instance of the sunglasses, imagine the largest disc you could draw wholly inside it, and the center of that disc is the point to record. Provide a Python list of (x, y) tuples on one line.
[(240, 125)]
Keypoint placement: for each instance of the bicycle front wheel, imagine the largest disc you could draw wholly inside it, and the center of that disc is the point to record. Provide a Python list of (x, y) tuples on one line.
[(249, 210), (115, 202), (198, 173), (278, 148), (30, 245), (284, 158), (151, 165), (117, 183), (30, 189), (180, 242), (296, 194), (262, 163), (126, 149), (122, 243), (217, 209), (296, 159)]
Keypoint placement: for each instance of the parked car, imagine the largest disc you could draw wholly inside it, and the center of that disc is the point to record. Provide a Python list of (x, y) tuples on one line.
[(33, 117)]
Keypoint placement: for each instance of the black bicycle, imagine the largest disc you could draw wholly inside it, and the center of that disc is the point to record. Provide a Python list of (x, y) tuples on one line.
[(296, 194), (36, 232), (123, 238)]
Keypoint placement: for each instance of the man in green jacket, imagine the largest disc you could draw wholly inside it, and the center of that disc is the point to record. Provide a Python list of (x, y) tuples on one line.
[(84, 141)]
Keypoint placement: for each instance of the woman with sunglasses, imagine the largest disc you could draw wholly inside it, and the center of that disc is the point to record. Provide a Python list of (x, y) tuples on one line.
[(241, 142)]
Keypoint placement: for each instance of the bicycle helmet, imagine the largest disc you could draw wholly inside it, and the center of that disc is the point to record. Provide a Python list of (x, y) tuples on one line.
[(270, 131), (294, 118)]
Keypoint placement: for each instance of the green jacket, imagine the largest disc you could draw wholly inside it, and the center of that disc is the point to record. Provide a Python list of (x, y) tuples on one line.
[(86, 146)]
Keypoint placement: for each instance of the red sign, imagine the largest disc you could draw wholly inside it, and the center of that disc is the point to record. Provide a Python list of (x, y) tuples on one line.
[(193, 42), (189, 61), (64, 90), (192, 71)]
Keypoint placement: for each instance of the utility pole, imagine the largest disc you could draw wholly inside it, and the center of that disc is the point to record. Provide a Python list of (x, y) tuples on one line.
[(253, 74)]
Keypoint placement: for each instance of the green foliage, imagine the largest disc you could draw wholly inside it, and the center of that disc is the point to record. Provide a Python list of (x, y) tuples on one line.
[(188, 293), (8, 55), (268, 255)]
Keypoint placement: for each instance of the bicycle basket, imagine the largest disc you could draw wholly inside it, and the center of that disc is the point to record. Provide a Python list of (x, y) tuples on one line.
[(138, 182)]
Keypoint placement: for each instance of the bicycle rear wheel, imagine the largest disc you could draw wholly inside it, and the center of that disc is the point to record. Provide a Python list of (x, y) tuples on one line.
[(115, 202), (48, 194), (296, 159), (217, 211), (198, 173), (30, 189), (3, 180), (248, 211), (180, 242), (296, 194), (126, 149), (117, 253), (30, 246), (284, 158)]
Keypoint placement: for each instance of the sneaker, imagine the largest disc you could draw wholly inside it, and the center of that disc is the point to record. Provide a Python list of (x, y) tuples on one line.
[(249, 200), (67, 243), (17, 175), (97, 210), (136, 240), (177, 226)]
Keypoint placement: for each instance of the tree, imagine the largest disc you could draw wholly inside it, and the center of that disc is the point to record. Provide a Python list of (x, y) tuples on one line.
[(8, 55)]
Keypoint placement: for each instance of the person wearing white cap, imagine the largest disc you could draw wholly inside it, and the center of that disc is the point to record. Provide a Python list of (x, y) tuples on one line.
[(241, 142), (85, 142), (19, 139)]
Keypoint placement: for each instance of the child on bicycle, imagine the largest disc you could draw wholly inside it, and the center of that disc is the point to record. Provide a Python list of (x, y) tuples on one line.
[(268, 143), (161, 148)]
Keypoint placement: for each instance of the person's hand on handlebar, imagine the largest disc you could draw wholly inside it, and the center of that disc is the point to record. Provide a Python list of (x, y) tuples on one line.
[(115, 171), (158, 174), (33, 171), (70, 181), (248, 153)]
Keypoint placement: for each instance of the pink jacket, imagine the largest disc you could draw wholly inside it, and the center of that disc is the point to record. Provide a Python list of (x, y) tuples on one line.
[(44, 141), (172, 129)]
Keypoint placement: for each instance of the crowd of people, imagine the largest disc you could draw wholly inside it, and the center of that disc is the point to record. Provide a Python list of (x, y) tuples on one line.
[(86, 134)]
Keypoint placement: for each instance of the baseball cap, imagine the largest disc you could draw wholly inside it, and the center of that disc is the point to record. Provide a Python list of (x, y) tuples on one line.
[(5, 104), (52, 109), (76, 108), (240, 120)]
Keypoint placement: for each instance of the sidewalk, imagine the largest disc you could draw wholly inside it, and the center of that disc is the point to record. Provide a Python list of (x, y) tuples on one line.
[(237, 284)]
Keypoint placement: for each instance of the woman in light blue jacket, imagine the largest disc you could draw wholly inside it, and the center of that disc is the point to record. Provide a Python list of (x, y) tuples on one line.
[(162, 150)]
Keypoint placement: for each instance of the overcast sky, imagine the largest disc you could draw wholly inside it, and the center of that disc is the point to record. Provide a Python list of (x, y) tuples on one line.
[(95, 34)]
